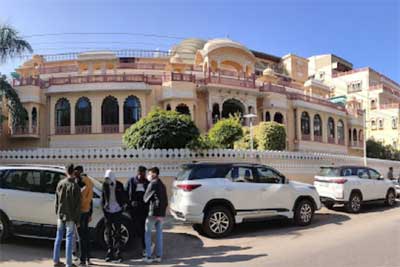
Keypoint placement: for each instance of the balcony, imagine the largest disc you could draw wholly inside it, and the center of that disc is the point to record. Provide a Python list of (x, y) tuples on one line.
[(110, 128), (318, 138), (356, 144), (83, 129), (341, 142), (63, 130), (24, 132), (237, 82), (305, 137), (331, 140)]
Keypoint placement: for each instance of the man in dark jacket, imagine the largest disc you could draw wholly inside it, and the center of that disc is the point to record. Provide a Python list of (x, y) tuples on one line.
[(156, 197), (67, 207), (113, 201), (138, 210)]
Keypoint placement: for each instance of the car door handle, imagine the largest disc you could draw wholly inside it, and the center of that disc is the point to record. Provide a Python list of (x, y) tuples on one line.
[(228, 189)]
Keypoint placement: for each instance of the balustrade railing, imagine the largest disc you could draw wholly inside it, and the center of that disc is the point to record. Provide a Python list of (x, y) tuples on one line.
[(83, 129), (331, 140), (317, 138), (110, 128), (305, 137), (63, 130)]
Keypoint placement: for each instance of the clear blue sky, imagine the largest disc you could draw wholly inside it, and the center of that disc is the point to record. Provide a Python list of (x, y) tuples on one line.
[(365, 32)]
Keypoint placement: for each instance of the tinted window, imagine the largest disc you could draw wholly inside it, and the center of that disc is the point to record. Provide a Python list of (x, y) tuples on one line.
[(269, 176), (204, 172), (24, 180), (184, 173), (348, 172), (329, 171), (362, 173), (241, 174), (49, 181), (374, 174)]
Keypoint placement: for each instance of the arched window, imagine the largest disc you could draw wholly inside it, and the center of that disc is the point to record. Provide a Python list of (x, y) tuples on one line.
[(168, 107), (110, 115), (305, 126), (331, 130), (63, 116), (34, 119), (317, 128), (267, 116), (215, 113), (355, 135), (340, 130), (183, 109), (83, 116), (361, 136), (278, 117), (132, 111), (350, 136)]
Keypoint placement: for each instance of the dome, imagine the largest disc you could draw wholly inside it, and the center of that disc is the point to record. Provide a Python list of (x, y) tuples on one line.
[(213, 44), (186, 50), (268, 72)]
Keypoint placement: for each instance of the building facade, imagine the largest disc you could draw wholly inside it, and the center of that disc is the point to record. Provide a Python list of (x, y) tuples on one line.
[(89, 99), (377, 94)]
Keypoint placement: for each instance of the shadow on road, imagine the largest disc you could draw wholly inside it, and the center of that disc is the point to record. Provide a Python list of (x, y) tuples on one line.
[(373, 207), (181, 249)]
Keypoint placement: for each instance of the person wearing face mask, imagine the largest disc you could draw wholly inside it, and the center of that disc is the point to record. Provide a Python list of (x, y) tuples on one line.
[(138, 210), (113, 201), (156, 197)]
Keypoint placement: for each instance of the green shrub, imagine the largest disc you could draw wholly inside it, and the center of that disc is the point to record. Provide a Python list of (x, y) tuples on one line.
[(203, 142), (270, 136), (161, 129), (226, 131), (376, 149), (244, 142)]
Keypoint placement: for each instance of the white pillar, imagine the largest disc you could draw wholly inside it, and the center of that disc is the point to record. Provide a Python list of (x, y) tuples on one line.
[(121, 115)]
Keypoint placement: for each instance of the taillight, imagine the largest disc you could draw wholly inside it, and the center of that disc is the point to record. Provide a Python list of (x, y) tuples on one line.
[(339, 181), (188, 187)]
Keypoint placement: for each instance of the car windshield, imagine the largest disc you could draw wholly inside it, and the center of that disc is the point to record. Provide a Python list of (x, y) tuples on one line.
[(184, 173), (329, 171)]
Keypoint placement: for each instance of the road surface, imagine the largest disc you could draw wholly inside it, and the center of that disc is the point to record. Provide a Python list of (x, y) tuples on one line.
[(335, 239)]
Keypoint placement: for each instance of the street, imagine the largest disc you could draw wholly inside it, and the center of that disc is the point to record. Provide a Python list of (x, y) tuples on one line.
[(335, 239)]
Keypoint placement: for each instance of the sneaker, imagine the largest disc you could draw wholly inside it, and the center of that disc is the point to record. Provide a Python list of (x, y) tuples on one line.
[(82, 263), (157, 259), (89, 262), (59, 264), (144, 253), (108, 259), (147, 260), (118, 259)]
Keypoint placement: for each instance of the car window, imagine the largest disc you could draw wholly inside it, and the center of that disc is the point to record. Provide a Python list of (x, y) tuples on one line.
[(347, 172), (241, 174), (329, 171), (49, 181), (184, 174), (362, 173), (374, 174), (24, 180), (208, 171), (269, 176)]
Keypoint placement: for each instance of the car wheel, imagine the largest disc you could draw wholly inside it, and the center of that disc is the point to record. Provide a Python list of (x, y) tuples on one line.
[(125, 232), (218, 222), (4, 228), (355, 203), (390, 198), (304, 212)]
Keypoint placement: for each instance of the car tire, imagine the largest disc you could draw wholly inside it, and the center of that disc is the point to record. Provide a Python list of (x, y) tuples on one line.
[(218, 222), (390, 200), (4, 228), (126, 232), (355, 203), (303, 212)]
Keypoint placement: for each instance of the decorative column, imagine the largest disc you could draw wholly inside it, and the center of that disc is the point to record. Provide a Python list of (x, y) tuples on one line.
[(121, 115), (311, 127), (72, 114), (30, 130)]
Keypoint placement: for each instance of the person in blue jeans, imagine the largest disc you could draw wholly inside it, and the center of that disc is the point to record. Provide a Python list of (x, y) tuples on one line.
[(67, 207), (156, 197)]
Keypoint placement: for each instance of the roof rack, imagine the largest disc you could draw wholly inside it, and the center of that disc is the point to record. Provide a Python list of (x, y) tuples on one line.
[(36, 165)]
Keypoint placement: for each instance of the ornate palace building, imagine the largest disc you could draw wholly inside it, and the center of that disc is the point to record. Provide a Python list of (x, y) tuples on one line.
[(89, 99)]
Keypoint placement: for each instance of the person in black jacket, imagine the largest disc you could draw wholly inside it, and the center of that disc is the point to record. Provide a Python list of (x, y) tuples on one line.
[(156, 197), (113, 202), (138, 210)]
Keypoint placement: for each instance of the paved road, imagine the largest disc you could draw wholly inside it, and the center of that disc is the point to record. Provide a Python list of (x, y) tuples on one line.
[(335, 239)]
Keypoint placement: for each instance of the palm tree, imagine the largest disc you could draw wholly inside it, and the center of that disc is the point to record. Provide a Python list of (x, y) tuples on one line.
[(11, 45)]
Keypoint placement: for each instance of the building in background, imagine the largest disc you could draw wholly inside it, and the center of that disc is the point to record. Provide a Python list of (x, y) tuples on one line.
[(377, 94), (88, 99)]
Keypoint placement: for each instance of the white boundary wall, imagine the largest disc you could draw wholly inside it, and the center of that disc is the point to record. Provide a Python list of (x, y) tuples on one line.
[(301, 166)]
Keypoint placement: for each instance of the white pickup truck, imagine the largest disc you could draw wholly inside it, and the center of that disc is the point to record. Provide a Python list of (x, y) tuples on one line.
[(353, 186)]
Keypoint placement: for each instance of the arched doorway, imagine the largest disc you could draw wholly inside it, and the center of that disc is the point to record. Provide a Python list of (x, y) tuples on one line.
[(183, 109), (110, 115), (278, 117), (215, 113), (232, 107)]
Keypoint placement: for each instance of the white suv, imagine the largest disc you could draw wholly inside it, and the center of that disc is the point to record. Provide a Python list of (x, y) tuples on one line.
[(213, 197), (353, 186), (27, 196)]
